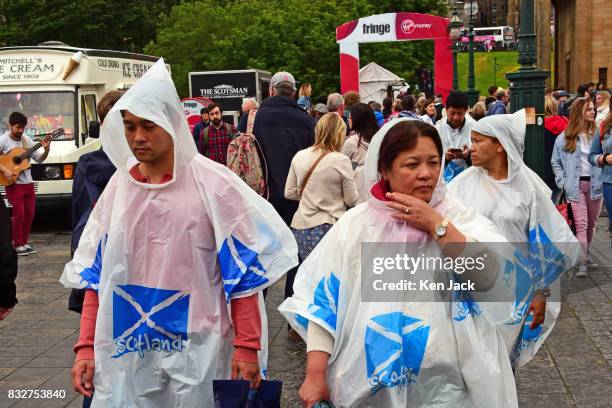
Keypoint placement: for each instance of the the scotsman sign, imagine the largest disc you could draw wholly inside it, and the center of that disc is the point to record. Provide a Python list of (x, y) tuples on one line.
[(228, 88)]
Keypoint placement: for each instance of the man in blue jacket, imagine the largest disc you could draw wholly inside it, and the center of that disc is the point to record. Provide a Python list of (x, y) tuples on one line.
[(282, 128), (93, 172), (499, 107), (201, 125)]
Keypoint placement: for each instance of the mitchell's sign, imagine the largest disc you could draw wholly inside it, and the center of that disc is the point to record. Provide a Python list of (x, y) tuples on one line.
[(224, 91), (29, 68)]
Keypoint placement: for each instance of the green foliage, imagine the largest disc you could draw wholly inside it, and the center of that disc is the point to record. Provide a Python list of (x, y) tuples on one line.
[(275, 35), (296, 36), (105, 24), (483, 68)]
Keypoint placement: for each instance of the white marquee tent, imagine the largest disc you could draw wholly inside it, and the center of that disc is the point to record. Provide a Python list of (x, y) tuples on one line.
[(373, 82)]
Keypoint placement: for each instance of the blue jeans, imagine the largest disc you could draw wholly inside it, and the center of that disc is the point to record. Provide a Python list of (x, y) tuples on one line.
[(607, 190), (86, 402)]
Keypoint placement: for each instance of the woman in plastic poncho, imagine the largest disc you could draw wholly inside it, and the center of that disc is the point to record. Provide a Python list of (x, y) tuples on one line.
[(500, 186), (399, 352)]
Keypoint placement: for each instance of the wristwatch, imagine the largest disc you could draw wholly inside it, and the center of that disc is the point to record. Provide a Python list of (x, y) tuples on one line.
[(440, 229)]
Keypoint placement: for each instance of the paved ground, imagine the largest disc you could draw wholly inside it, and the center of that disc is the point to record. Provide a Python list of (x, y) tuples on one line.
[(572, 370)]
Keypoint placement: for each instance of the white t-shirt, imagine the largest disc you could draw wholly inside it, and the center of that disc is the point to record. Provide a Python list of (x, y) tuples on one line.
[(585, 149), (7, 144)]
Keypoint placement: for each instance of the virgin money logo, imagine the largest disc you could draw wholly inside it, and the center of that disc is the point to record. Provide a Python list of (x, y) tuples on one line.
[(408, 26)]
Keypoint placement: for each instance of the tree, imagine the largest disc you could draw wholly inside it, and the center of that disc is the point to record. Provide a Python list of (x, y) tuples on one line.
[(106, 24), (275, 35)]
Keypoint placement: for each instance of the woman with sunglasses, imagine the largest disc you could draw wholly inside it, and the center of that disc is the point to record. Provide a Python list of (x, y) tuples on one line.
[(577, 176)]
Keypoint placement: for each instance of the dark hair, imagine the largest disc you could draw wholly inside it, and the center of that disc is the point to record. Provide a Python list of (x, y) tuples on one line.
[(582, 88), (387, 103), (363, 121), (408, 103), (404, 136), (457, 99), (18, 118), (492, 90), (387, 107), (203, 111), (215, 105), (107, 102)]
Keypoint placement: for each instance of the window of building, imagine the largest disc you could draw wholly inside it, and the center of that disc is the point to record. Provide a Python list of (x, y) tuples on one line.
[(603, 77)]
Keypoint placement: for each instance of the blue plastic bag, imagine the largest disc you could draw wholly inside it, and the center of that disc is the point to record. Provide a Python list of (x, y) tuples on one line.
[(237, 394)]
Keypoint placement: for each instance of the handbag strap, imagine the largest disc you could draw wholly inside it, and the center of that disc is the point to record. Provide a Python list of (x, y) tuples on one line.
[(310, 171), (251, 121)]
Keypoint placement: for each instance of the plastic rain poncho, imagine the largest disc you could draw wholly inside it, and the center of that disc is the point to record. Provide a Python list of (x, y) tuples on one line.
[(166, 259), (399, 353), (455, 139), (521, 208)]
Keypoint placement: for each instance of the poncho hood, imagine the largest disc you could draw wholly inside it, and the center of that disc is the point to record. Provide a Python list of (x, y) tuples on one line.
[(154, 98), (510, 131), (372, 176)]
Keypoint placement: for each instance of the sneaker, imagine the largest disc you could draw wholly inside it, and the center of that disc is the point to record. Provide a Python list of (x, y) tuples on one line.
[(30, 249), (582, 271), (591, 263), (22, 250)]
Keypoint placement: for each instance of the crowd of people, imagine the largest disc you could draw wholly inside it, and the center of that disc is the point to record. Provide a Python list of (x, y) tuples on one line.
[(173, 251)]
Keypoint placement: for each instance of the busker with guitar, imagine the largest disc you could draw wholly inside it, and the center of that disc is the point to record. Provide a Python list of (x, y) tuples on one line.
[(21, 193)]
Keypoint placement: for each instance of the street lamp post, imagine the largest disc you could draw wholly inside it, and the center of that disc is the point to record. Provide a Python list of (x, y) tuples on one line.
[(454, 31), (527, 86), (495, 67), (472, 93)]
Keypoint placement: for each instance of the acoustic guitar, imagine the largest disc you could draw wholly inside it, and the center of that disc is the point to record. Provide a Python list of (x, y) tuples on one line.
[(18, 159)]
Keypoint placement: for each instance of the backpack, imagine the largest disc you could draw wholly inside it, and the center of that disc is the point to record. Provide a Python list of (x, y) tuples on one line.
[(202, 144), (245, 158)]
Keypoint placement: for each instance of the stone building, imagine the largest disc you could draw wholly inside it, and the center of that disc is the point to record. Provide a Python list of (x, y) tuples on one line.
[(576, 33), (583, 42), (491, 13), (579, 35)]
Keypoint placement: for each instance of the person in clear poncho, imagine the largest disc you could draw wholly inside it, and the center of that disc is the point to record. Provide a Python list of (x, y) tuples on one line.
[(502, 188), (174, 256), (400, 352)]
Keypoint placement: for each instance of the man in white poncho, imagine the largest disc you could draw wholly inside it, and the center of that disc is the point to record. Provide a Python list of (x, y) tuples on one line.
[(398, 352), (172, 243), (454, 131), (502, 188)]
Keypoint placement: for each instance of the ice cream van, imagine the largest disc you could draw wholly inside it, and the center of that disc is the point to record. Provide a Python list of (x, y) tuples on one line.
[(58, 86)]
